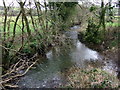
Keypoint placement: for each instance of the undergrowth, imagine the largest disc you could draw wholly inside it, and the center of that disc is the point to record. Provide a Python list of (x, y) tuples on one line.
[(91, 78)]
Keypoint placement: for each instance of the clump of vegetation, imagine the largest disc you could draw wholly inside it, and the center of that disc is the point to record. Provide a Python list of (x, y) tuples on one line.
[(91, 78), (92, 34)]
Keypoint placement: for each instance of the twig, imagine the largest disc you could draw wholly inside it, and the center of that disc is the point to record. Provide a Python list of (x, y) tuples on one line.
[(16, 70), (11, 49)]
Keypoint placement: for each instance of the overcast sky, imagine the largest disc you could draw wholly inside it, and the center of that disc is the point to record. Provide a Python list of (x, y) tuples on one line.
[(8, 2)]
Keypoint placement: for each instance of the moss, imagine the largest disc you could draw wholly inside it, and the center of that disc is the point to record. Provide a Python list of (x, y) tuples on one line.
[(91, 78)]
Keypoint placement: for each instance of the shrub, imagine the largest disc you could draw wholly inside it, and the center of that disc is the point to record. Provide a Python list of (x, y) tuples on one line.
[(92, 34)]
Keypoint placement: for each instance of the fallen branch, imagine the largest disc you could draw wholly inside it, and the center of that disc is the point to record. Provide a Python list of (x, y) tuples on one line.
[(18, 75), (14, 71)]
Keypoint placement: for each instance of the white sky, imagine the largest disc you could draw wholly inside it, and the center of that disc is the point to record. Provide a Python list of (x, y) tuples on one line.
[(8, 2), (15, 3)]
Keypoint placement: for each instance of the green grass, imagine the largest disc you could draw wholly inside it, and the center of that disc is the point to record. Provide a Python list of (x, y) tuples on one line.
[(114, 24), (19, 25)]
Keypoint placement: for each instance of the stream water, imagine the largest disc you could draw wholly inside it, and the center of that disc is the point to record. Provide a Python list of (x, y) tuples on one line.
[(49, 73)]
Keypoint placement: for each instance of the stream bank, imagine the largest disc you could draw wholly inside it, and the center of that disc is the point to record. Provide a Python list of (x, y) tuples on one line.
[(51, 72), (109, 48), (91, 78)]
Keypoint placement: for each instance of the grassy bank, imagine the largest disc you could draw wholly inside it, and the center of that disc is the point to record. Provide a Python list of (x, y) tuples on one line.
[(91, 78), (101, 39)]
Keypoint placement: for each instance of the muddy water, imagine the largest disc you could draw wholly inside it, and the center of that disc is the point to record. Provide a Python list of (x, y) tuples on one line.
[(49, 73)]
